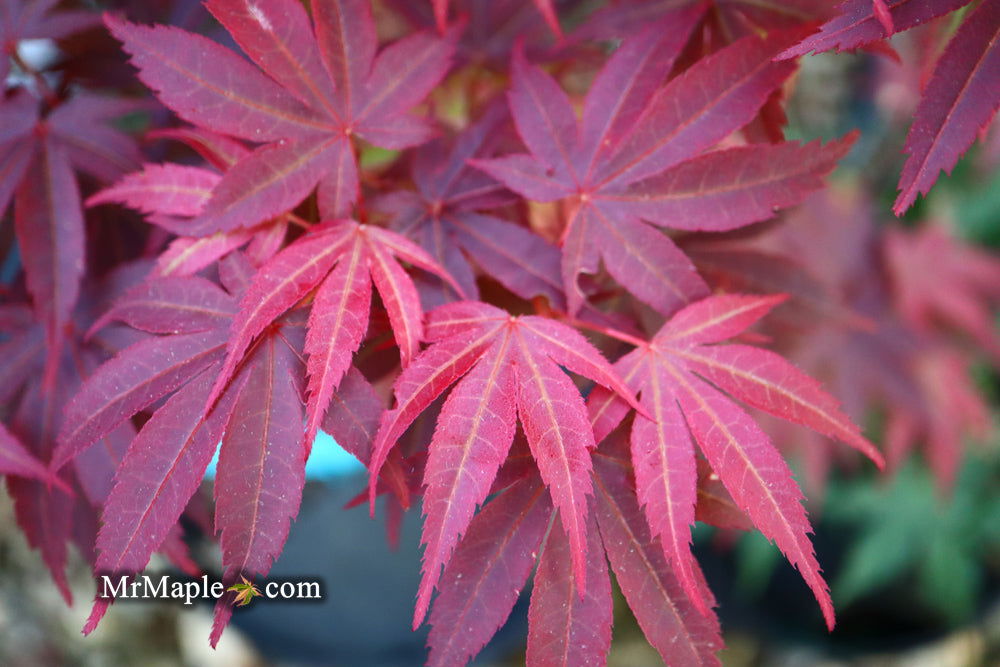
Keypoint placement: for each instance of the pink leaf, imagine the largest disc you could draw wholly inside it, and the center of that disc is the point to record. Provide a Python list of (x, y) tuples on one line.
[(50, 233), (474, 432), (485, 576), (261, 470), (716, 96), (167, 189), (567, 626), (958, 101), (271, 33), (766, 381), (131, 381), (172, 305), (278, 286), (210, 85), (337, 324), (758, 479), (159, 474), (716, 318), (732, 188), (555, 422), (680, 634), (858, 22)]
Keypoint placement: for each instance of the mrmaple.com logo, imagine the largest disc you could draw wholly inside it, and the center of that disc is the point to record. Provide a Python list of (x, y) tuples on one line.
[(166, 587)]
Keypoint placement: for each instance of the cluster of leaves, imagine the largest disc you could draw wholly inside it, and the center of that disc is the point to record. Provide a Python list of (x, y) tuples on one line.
[(499, 208)]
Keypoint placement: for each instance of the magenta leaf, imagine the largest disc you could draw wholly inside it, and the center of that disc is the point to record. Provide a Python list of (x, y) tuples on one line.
[(858, 23), (485, 576), (567, 626), (160, 472), (132, 381), (959, 100), (320, 84), (261, 471), (666, 615), (638, 156), (518, 358)]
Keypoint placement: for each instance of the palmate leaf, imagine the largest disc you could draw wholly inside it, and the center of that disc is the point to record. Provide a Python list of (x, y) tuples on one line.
[(165, 462), (319, 83), (567, 625), (959, 100), (445, 217), (670, 620), (261, 470), (506, 362), (165, 189), (670, 374), (858, 23), (132, 381), (49, 225), (342, 259), (160, 472), (41, 149), (636, 156), (960, 291), (485, 576)]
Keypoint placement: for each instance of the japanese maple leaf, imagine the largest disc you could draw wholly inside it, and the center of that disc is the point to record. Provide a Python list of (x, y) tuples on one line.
[(442, 216), (961, 97), (165, 461), (672, 373), (317, 86), (170, 196), (493, 561), (38, 157), (484, 578), (245, 592), (636, 156), (259, 420), (503, 368), (191, 317), (671, 621), (861, 22), (341, 259), (56, 508), (894, 352)]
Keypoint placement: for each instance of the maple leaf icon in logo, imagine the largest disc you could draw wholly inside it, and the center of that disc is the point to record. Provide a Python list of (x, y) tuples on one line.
[(245, 592)]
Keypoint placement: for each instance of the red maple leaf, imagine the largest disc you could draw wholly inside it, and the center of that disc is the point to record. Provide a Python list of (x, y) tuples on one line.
[(635, 157), (505, 368), (672, 373), (444, 217), (318, 85)]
